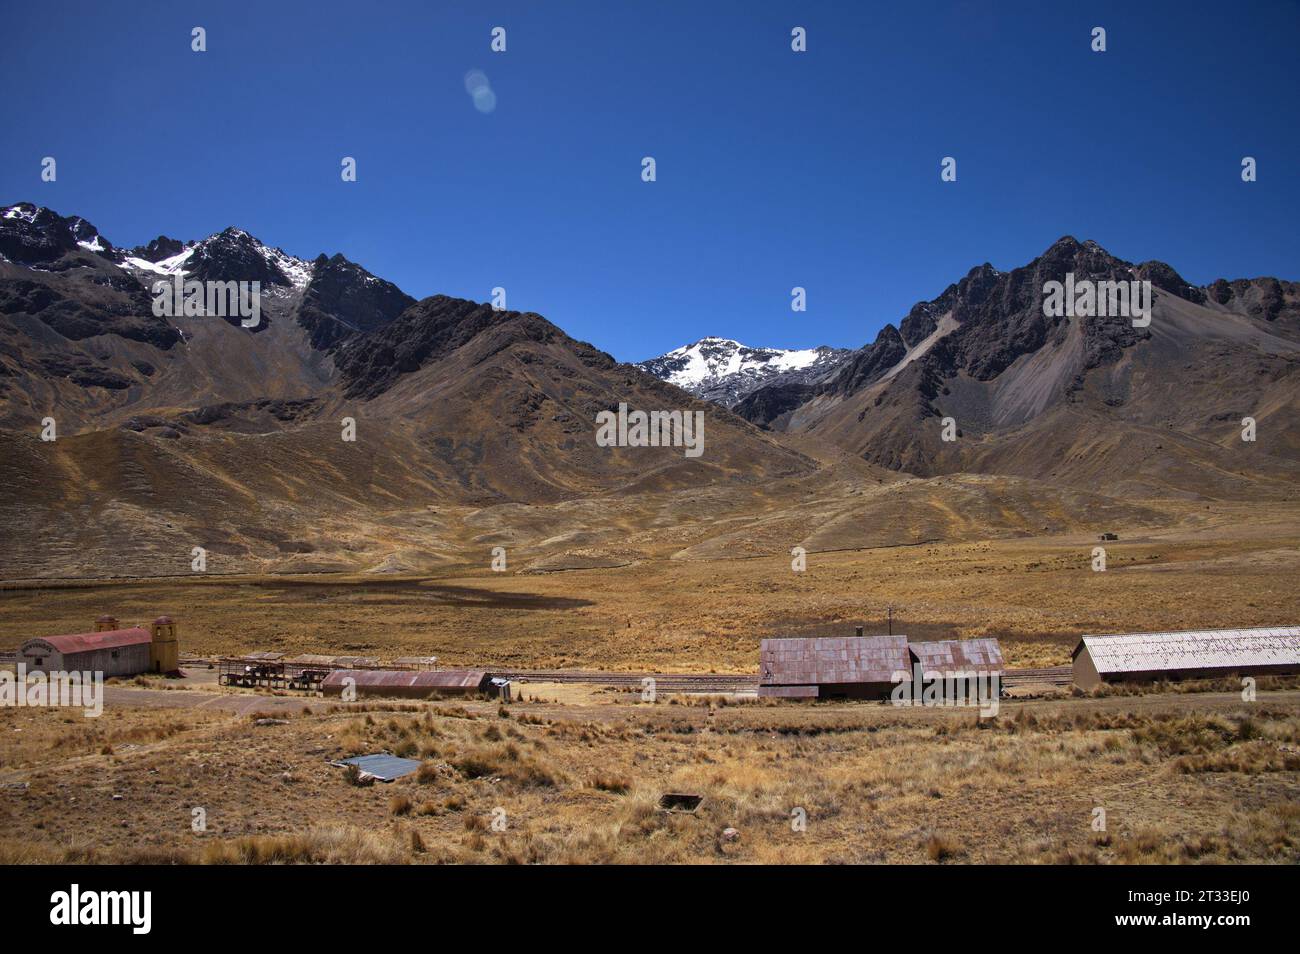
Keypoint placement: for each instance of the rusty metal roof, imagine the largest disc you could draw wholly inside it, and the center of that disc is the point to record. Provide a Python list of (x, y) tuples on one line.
[(87, 642), (1196, 649), (958, 655), (832, 659), (405, 679)]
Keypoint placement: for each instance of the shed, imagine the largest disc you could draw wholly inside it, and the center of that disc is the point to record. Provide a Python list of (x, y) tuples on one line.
[(411, 685), (821, 666), (1195, 654)]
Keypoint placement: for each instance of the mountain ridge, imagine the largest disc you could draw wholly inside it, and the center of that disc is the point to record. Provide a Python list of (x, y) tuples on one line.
[(83, 340)]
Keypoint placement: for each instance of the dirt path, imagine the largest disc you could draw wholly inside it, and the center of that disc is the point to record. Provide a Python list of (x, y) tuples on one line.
[(228, 702)]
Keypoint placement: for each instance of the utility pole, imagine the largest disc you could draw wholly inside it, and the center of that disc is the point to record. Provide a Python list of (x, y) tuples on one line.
[(891, 621)]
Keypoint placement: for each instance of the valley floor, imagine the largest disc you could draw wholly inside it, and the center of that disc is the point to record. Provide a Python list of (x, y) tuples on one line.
[(1233, 566), (574, 774), (1186, 777)]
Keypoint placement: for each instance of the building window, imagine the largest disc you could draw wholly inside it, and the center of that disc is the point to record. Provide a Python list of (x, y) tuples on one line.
[(115, 654), (40, 660)]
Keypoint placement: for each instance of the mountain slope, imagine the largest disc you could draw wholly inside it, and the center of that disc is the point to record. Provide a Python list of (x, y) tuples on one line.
[(342, 298), (510, 401), (1092, 401), (176, 432)]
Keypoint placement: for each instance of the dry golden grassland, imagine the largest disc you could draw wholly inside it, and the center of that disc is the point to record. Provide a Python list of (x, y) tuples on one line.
[(1036, 595), (1182, 778), (577, 770)]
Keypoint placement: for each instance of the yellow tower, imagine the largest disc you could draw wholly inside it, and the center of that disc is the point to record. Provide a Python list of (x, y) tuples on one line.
[(105, 623), (164, 650)]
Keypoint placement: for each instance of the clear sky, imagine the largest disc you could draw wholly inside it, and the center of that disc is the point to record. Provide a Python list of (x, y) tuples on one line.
[(775, 169)]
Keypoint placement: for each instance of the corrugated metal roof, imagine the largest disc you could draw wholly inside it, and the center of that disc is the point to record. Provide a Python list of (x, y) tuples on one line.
[(832, 659), (383, 766), (1196, 649), (387, 679), (86, 642), (958, 655), (311, 659)]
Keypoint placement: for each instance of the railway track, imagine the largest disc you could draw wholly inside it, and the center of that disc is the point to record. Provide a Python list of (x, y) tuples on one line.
[(1047, 675), (734, 682), (664, 682), (717, 682)]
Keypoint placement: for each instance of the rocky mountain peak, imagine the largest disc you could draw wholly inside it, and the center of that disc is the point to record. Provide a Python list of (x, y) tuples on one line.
[(34, 235), (341, 298), (160, 248), (235, 255)]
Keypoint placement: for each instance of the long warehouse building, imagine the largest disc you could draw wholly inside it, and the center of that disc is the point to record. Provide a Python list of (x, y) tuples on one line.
[(1196, 654)]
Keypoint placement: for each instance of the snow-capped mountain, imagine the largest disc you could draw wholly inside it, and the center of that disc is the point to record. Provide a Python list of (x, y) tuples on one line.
[(330, 297), (36, 235), (725, 371), (228, 255)]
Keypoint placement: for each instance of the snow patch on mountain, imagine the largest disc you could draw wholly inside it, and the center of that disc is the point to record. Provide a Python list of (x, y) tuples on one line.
[(18, 212), (166, 266), (295, 269), (725, 371)]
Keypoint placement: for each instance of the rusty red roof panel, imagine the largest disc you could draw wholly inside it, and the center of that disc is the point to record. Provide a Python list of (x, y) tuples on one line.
[(87, 642), (832, 659)]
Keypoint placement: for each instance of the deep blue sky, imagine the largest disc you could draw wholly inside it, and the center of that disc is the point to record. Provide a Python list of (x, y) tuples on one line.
[(775, 169)]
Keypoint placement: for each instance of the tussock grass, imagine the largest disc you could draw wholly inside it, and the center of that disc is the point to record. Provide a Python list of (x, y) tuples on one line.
[(506, 762), (327, 845), (872, 785)]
